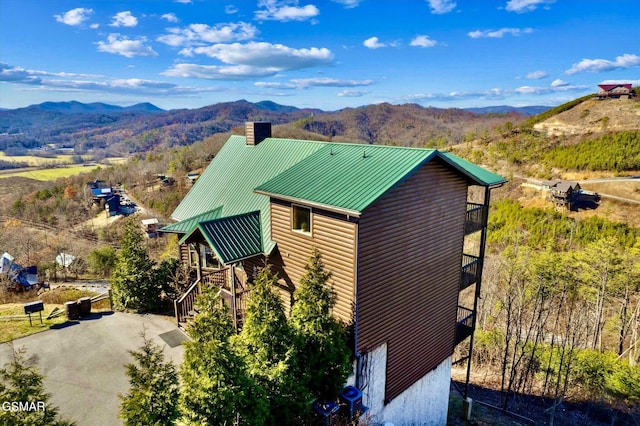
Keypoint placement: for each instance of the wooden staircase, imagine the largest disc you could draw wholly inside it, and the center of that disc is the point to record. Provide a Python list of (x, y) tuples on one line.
[(234, 297)]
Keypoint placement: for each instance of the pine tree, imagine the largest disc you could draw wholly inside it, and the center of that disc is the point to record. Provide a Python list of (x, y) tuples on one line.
[(266, 343), (132, 282), (324, 358), (216, 388), (153, 394), (21, 383)]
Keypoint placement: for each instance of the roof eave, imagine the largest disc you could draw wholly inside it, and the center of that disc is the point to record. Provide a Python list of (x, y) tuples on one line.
[(335, 209), (470, 175)]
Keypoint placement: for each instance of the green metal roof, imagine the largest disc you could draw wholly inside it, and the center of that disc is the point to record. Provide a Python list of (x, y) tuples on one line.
[(480, 175), (348, 177), (230, 178), (232, 238), (344, 177), (187, 225)]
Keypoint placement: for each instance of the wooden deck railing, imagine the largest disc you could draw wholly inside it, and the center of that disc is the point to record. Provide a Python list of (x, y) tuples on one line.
[(464, 324), (476, 218), (217, 278), (185, 304), (471, 267)]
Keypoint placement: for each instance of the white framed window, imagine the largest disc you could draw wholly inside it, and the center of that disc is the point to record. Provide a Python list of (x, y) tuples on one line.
[(193, 255), (301, 219)]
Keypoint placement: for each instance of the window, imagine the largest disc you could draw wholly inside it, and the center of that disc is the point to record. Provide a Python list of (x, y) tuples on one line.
[(209, 259), (193, 256), (301, 219)]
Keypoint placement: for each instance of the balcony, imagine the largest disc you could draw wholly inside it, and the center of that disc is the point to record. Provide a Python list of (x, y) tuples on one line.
[(471, 267), (464, 323), (476, 218)]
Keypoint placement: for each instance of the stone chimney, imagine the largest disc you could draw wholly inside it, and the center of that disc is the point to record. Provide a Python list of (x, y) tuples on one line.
[(257, 131)]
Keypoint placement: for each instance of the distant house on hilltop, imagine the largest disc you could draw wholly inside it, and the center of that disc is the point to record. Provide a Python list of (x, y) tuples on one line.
[(390, 223), (615, 90)]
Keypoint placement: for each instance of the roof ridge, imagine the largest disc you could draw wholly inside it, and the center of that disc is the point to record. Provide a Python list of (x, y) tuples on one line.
[(338, 143)]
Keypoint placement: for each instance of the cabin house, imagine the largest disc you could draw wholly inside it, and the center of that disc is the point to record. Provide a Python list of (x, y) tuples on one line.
[(615, 90), (564, 193), (390, 223)]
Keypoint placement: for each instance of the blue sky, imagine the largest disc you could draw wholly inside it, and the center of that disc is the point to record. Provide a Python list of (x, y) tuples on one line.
[(326, 54)]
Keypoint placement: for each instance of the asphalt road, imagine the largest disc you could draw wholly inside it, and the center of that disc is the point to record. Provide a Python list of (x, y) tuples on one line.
[(83, 362)]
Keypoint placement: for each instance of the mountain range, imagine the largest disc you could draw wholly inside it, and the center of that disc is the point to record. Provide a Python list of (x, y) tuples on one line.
[(141, 127)]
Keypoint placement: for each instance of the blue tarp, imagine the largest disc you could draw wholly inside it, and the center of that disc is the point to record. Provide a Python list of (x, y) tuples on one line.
[(25, 276)]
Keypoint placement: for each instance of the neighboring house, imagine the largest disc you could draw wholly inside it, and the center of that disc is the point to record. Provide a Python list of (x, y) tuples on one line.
[(150, 227), (390, 223), (618, 90), (191, 178), (564, 193)]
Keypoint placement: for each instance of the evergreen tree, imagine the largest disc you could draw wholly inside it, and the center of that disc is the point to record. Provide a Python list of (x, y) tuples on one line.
[(324, 358), (216, 388), (266, 343), (132, 282), (20, 383), (153, 396)]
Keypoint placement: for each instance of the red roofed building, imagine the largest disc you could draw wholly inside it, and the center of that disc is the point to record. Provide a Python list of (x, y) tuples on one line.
[(615, 90)]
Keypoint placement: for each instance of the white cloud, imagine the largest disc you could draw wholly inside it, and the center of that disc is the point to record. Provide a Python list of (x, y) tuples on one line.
[(285, 10), (440, 7), (74, 82), (197, 34), (94, 26), (556, 86), (632, 82), (350, 93), (215, 72), (537, 75), (599, 65), (373, 43), (348, 4), (264, 54), (251, 60), (499, 33), (120, 45), (124, 19), (495, 94), (183, 1), (304, 83), (231, 9), (275, 85), (423, 41), (170, 17), (522, 6), (74, 17)]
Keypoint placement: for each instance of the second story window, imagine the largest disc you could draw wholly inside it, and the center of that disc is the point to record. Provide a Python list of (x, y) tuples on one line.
[(301, 219)]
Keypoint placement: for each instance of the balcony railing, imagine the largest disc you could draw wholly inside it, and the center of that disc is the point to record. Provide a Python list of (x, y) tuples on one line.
[(471, 267), (464, 324), (476, 218)]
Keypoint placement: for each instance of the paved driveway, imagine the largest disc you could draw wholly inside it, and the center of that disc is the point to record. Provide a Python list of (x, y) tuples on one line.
[(83, 363)]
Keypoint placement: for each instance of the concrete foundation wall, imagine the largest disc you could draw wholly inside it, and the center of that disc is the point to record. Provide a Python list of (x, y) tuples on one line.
[(426, 402)]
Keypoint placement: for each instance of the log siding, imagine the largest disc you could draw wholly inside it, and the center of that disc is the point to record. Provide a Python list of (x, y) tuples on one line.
[(333, 235), (409, 257)]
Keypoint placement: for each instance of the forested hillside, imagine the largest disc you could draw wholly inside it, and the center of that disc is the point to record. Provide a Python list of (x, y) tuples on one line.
[(107, 130), (559, 316)]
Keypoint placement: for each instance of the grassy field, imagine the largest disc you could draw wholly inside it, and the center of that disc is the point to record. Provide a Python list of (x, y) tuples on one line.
[(35, 161), (13, 329), (51, 174), (12, 304)]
